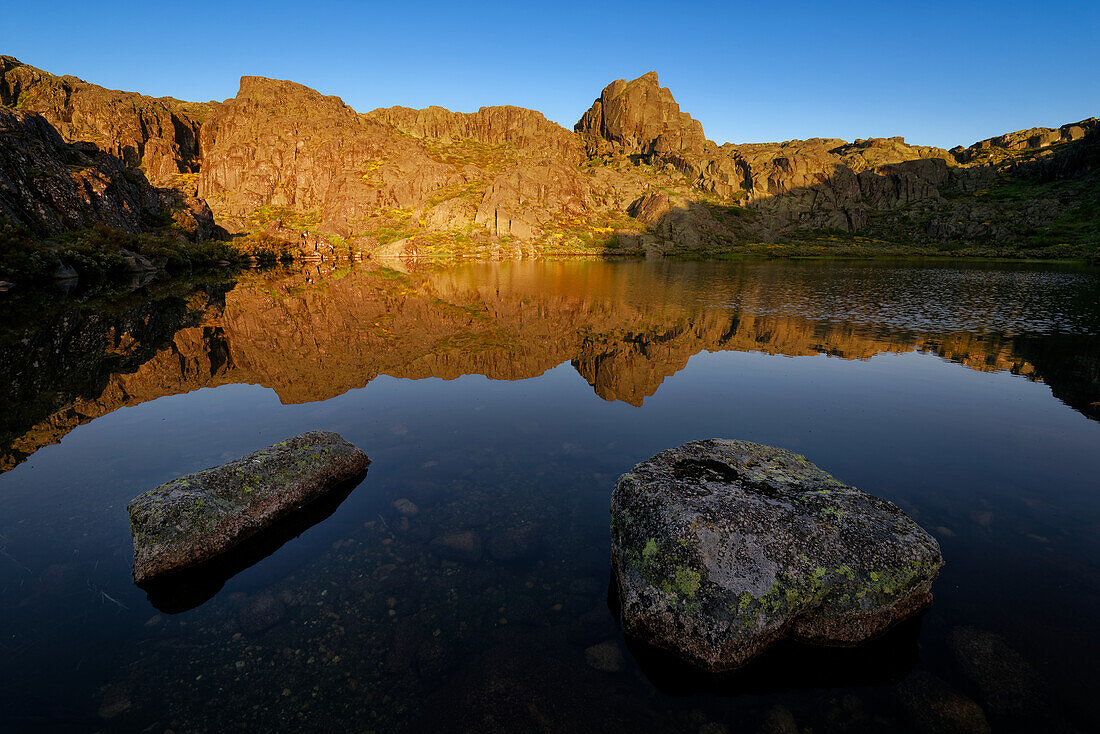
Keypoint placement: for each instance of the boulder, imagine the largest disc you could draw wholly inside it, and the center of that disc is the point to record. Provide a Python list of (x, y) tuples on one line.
[(136, 263), (721, 547), (196, 518)]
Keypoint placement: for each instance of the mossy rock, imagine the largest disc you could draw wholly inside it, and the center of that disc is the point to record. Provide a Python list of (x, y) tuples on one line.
[(721, 547), (196, 518)]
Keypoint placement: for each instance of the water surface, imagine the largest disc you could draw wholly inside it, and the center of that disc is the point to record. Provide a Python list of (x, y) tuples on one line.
[(503, 400)]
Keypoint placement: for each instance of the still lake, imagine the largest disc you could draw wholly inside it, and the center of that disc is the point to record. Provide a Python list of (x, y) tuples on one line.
[(504, 399)]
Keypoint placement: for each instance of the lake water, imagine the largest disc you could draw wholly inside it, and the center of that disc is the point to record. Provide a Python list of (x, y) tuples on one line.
[(504, 399)]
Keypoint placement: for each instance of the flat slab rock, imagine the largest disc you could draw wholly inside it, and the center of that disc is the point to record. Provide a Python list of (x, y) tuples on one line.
[(721, 547), (198, 517)]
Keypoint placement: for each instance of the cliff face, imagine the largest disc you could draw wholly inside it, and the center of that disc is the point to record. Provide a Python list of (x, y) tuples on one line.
[(51, 186), (74, 155), (503, 170), (641, 118), (282, 161), (159, 135), (522, 129), (284, 145)]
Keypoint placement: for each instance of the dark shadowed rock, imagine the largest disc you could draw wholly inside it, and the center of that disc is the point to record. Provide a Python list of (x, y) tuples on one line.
[(261, 613), (158, 134), (434, 659), (1007, 685), (721, 547), (462, 545), (779, 720), (606, 656), (406, 507), (50, 187), (196, 518), (936, 707), (514, 542)]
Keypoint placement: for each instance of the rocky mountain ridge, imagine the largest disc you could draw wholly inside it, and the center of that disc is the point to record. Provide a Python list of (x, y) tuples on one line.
[(282, 165)]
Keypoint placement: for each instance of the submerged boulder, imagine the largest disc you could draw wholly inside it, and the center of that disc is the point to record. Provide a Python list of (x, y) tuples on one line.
[(196, 518), (721, 547)]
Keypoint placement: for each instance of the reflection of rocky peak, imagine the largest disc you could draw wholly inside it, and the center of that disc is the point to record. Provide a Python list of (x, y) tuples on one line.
[(641, 117), (625, 329)]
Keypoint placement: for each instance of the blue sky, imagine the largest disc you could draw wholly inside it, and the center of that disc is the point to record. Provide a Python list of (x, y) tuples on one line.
[(939, 73)]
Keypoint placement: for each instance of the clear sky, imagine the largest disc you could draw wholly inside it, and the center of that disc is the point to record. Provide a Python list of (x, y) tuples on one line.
[(939, 73)]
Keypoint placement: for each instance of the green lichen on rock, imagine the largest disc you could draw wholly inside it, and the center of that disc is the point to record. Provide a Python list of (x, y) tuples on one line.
[(193, 519), (687, 582), (721, 547)]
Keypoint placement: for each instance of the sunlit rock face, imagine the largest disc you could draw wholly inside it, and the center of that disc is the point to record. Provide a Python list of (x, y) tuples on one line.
[(506, 171), (159, 134), (283, 159), (626, 328), (640, 117)]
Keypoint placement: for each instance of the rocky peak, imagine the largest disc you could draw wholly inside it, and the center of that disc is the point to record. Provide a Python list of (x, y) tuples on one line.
[(279, 143), (640, 117), (285, 96)]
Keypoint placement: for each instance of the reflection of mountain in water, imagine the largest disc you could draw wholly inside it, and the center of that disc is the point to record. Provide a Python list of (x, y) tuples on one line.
[(624, 326)]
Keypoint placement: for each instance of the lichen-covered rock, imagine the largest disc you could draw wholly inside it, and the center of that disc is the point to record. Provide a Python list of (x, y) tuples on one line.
[(721, 547), (196, 518)]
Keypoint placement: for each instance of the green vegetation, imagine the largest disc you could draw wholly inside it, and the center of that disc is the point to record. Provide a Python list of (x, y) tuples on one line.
[(473, 153), (98, 251)]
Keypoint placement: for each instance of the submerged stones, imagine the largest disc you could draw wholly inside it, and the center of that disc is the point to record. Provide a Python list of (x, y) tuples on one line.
[(195, 519), (721, 547)]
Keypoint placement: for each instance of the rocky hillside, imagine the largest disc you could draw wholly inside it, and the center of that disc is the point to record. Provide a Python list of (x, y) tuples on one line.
[(50, 186), (159, 136), (73, 165), (284, 166)]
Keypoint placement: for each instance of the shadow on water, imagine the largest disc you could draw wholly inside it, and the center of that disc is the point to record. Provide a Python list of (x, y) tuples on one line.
[(786, 666), (189, 588)]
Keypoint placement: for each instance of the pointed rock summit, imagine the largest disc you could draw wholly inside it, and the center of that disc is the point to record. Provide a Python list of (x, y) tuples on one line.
[(641, 117)]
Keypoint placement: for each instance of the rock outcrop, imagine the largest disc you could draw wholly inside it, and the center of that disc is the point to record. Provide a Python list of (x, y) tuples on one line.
[(158, 134), (195, 519), (720, 547), (882, 187), (74, 155), (51, 186), (505, 171), (641, 118)]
